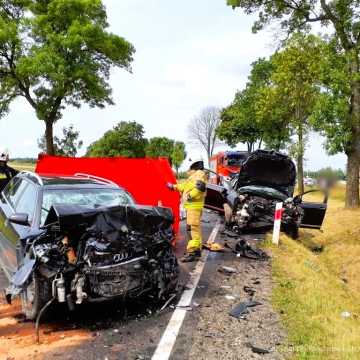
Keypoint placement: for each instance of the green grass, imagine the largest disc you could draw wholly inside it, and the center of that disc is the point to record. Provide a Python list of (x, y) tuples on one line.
[(312, 290)]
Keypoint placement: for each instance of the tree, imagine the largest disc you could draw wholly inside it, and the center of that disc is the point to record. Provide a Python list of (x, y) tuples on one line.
[(165, 147), (238, 124), (68, 145), (343, 18), (332, 115), (160, 147), (178, 155), (202, 129), (55, 53), (125, 139), (240, 121), (294, 91)]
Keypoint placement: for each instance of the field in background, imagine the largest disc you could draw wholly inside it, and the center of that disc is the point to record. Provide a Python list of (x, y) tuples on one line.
[(22, 166), (317, 287)]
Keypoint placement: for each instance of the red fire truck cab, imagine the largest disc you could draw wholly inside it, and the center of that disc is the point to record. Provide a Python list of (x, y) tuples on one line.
[(226, 164)]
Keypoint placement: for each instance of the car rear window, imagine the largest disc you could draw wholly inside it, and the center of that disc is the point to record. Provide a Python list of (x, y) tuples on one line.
[(86, 197)]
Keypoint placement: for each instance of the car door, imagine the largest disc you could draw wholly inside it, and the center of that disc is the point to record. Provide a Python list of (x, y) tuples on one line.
[(19, 195), (314, 212), (8, 235), (215, 197)]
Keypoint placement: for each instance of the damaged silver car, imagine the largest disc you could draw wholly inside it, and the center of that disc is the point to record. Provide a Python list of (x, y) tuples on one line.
[(248, 201), (77, 239)]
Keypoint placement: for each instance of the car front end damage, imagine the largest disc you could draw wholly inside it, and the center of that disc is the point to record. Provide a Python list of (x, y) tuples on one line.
[(90, 255), (255, 211), (249, 200)]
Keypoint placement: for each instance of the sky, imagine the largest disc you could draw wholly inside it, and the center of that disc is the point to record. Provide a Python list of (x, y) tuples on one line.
[(189, 55)]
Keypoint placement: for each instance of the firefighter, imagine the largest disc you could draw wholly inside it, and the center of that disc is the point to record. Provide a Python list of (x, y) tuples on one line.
[(193, 192), (4, 168)]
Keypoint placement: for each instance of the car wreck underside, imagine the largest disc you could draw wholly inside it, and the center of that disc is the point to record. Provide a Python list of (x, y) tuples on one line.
[(84, 255)]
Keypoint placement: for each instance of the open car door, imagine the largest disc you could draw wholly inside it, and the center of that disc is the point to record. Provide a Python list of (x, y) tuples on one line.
[(314, 212), (215, 198)]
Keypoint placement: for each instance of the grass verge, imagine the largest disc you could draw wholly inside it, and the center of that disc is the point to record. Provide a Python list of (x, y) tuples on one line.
[(314, 291)]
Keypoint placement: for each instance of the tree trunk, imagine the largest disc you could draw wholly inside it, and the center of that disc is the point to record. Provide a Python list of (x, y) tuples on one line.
[(352, 181), (50, 149), (300, 159), (353, 154), (250, 147)]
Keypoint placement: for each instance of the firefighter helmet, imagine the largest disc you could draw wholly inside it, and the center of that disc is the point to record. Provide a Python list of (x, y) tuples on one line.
[(196, 164), (4, 155)]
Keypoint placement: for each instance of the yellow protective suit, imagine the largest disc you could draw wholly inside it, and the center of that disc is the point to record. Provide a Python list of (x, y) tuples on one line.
[(193, 192)]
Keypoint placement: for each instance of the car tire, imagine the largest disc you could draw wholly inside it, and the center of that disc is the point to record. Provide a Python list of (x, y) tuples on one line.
[(293, 232), (34, 297)]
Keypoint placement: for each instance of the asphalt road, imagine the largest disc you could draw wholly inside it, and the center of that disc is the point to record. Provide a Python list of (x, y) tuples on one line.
[(102, 331)]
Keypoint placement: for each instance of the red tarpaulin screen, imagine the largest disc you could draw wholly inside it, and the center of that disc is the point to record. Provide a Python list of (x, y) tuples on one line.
[(145, 179)]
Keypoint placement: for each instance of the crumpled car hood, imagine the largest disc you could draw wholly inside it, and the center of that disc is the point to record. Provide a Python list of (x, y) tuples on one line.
[(268, 168), (145, 219)]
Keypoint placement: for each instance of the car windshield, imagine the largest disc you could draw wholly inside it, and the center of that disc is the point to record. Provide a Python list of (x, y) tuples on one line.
[(236, 159), (87, 197)]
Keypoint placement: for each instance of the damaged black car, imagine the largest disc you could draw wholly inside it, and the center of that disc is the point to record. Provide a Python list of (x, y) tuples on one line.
[(248, 201), (77, 239)]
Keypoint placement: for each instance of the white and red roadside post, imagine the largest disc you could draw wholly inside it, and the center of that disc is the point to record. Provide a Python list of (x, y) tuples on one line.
[(277, 222)]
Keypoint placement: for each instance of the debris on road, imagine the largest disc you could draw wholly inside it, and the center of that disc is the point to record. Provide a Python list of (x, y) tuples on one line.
[(242, 308), (213, 246), (168, 302), (249, 290), (227, 270), (258, 350), (230, 234), (246, 250)]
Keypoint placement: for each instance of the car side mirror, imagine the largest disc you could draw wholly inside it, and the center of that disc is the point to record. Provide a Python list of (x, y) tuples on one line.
[(20, 219)]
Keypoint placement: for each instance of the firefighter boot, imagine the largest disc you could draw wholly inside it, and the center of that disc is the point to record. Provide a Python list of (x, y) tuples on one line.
[(193, 228)]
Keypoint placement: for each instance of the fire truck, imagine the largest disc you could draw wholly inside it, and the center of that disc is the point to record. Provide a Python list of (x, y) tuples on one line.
[(226, 164)]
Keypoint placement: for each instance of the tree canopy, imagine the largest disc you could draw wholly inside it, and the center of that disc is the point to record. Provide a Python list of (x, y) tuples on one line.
[(160, 147), (56, 53), (332, 114), (169, 148), (294, 91), (242, 122), (343, 18), (178, 155), (125, 139)]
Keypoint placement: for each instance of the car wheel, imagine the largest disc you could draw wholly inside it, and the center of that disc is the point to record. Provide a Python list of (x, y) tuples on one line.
[(34, 297), (293, 232)]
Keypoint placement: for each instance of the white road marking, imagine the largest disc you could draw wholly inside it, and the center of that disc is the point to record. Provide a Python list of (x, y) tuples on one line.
[(167, 342)]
